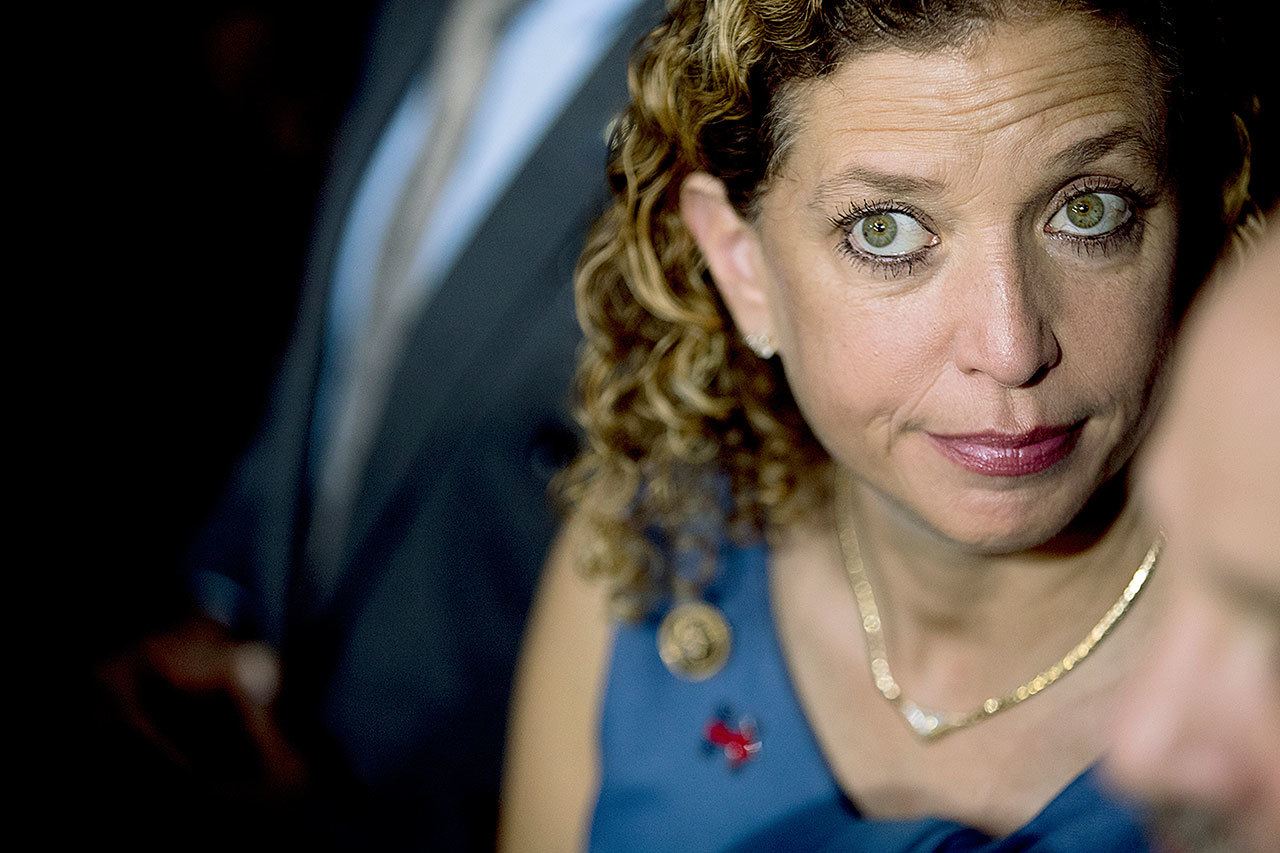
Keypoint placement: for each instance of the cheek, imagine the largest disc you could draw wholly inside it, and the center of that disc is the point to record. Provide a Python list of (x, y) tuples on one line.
[(1115, 328), (858, 366)]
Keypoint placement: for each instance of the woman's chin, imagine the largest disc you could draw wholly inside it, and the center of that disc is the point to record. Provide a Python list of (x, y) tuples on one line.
[(1004, 524), (995, 540)]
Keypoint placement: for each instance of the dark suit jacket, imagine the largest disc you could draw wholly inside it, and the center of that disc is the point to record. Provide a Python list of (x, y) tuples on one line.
[(398, 691)]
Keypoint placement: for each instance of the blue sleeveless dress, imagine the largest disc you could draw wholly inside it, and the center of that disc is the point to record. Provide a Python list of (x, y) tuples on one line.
[(667, 782)]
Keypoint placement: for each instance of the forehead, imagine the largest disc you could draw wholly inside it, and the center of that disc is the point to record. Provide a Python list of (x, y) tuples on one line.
[(1013, 86)]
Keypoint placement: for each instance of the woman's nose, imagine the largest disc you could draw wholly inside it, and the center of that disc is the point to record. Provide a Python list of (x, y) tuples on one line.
[(1004, 330)]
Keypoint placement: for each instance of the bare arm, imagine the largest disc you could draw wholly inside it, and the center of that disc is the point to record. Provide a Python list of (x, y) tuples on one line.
[(552, 763)]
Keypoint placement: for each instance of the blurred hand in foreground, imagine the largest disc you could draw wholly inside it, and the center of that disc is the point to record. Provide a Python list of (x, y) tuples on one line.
[(208, 703)]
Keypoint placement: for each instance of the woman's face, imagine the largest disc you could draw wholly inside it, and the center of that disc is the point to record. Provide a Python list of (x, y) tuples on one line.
[(966, 260)]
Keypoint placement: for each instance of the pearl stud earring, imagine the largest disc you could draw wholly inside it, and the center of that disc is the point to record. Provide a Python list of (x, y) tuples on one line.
[(762, 344)]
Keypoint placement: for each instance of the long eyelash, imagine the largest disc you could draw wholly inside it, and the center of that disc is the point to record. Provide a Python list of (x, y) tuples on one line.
[(891, 267), (1139, 199), (1105, 244), (852, 213)]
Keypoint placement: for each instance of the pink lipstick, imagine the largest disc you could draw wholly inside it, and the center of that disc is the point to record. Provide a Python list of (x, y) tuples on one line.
[(999, 454)]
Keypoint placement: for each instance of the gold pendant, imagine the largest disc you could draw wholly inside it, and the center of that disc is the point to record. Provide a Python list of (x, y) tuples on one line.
[(694, 640), (926, 725)]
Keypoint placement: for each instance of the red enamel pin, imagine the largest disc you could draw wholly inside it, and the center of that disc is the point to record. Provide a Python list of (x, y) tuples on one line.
[(738, 742)]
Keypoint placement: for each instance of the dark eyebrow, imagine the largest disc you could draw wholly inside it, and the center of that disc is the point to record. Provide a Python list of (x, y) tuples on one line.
[(838, 186), (1080, 154), (1071, 159)]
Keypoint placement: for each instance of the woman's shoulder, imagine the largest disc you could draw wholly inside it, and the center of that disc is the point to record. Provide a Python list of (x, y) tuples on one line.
[(550, 777)]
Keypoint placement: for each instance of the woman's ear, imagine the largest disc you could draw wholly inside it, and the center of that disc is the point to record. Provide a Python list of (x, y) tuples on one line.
[(731, 248)]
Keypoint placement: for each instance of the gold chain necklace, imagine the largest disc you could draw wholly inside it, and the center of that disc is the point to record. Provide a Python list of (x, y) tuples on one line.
[(930, 725)]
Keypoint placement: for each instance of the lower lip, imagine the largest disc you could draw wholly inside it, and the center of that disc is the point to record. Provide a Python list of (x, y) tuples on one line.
[(1002, 460)]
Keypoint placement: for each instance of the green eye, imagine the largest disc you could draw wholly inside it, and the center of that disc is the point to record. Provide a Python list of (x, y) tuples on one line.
[(1090, 215), (1086, 211), (888, 234), (879, 230)]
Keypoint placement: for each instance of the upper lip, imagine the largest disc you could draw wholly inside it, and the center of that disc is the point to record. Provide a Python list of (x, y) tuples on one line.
[(993, 438)]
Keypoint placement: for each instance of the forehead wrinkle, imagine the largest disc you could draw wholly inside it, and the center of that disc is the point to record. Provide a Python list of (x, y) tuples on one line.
[(1124, 140), (1115, 54), (964, 102), (995, 119), (984, 91), (949, 114), (938, 116), (960, 86)]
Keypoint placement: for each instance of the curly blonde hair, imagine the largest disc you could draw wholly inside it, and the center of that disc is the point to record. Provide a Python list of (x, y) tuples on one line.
[(676, 409)]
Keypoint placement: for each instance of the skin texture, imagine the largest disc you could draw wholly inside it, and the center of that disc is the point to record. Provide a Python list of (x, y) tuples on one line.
[(1002, 327), (999, 324), (1199, 733)]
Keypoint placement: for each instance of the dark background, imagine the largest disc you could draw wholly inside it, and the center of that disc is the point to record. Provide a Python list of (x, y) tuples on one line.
[(209, 129), (190, 144)]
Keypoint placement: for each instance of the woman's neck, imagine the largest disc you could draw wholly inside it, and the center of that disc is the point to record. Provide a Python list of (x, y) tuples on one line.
[(961, 625)]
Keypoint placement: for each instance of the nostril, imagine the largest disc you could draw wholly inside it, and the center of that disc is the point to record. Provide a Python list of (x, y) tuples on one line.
[(1050, 356), (1006, 334), (1050, 360)]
